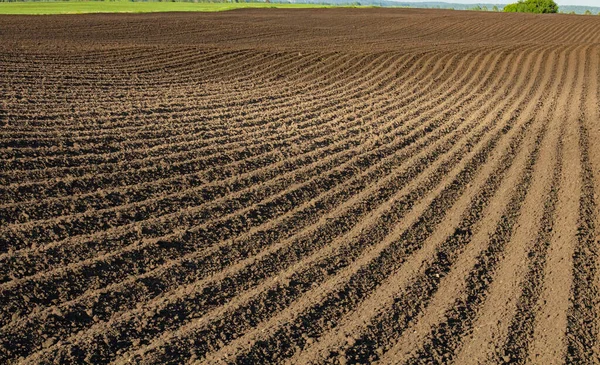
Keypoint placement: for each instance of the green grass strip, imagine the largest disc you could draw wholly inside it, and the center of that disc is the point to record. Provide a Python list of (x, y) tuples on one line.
[(84, 7)]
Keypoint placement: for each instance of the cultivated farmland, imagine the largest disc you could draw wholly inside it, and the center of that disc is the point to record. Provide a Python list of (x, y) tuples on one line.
[(300, 186)]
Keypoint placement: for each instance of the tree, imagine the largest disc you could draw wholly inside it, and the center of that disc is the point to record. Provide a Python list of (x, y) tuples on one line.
[(532, 6), (494, 8), (588, 12)]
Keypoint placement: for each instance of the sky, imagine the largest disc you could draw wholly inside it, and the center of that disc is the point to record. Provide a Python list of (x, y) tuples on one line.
[(579, 2), (559, 2)]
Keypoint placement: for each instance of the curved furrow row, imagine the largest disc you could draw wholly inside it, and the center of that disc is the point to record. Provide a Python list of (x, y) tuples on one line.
[(592, 113), (225, 101), (582, 331), (77, 250), (134, 104), (182, 274), (521, 322), (309, 324), (585, 33), (443, 341), (313, 122), (509, 295), (199, 335), (178, 152), (279, 321), (199, 96), (211, 68), (315, 186), (439, 333), (385, 328), (549, 343), (257, 129), (196, 131), (375, 154), (259, 81), (333, 298), (431, 278), (284, 253), (210, 59), (191, 139)]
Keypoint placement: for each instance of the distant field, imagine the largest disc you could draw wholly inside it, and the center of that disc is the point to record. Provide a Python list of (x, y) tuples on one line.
[(41, 8)]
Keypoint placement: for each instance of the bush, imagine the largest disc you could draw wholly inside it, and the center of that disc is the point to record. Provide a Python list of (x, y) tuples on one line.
[(532, 6)]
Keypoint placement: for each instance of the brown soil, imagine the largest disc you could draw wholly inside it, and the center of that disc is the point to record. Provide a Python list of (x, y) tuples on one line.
[(306, 186)]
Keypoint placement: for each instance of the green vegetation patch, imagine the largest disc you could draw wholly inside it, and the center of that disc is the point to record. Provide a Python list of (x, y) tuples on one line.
[(83, 7), (532, 6)]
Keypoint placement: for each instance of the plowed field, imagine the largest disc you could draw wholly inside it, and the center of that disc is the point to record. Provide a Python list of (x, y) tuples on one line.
[(300, 186)]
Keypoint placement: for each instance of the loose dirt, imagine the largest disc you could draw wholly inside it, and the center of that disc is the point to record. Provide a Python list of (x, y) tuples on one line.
[(300, 186)]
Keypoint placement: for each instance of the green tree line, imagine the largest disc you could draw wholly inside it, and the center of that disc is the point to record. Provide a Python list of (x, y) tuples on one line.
[(532, 6)]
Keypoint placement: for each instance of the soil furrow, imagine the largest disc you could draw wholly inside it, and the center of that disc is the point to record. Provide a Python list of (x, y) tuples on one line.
[(345, 220), (300, 186)]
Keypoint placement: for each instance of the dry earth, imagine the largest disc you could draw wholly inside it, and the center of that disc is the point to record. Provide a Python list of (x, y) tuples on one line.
[(300, 186)]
